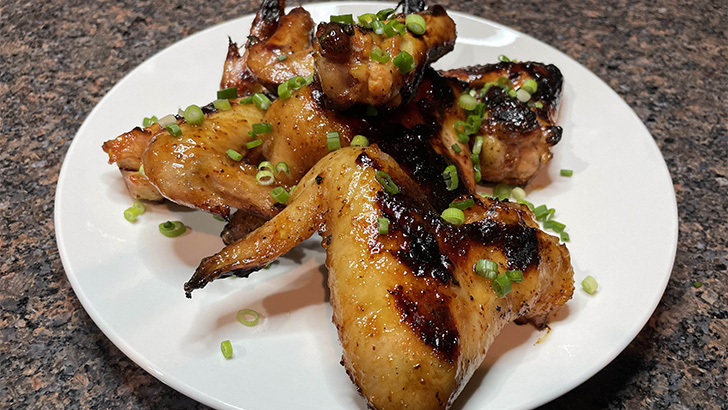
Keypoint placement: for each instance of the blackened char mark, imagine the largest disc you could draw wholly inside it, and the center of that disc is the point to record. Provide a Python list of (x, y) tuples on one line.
[(266, 20), (507, 114), (518, 241), (427, 313), (417, 222), (411, 6)]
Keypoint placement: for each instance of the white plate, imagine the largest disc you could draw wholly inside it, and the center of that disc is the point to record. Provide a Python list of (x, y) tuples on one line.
[(619, 208)]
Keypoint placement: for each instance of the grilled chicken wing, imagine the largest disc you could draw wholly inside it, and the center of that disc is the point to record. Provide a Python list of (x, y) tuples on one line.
[(413, 317), (126, 150), (348, 74), (517, 135), (278, 48)]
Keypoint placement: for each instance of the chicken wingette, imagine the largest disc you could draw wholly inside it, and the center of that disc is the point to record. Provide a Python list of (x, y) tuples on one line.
[(413, 317)]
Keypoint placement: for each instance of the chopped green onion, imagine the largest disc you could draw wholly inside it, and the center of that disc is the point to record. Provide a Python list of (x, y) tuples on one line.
[(540, 211), (385, 14), (261, 101), (333, 142), (387, 182), (227, 93), (221, 105), (450, 175), (528, 204), (383, 225), (172, 229), (404, 62), (555, 226), (279, 194), (283, 167), (537, 104), (416, 24), (454, 216), (467, 102), (503, 58), (464, 138), (247, 100), (566, 172), (502, 191), (478, 145), (564, 237), (697, 284), (139, 205), (549, 214), (253, 143), (379, 55), (366, 19), (502, 285), (518, 193), (194, 115), (141, 171), (309, 79), (247, 317), (589, 284), (515, 275), (464, 204), (359, 141), (282, 57), (523, 95), (486, 268), (530, 86), (234, 155), (283, 91), (261, 128), (512, 93), (147, 122), (456, 147), (131, 213), (400, 28), (343, 18), (226, 348), (264, 177), (174, 129), (378, 27)]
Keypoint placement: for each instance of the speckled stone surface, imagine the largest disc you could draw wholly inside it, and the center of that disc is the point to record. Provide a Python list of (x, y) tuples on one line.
[(667, 59)]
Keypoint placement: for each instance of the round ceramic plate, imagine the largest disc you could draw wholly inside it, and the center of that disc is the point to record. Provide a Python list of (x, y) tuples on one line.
[(619, 208)]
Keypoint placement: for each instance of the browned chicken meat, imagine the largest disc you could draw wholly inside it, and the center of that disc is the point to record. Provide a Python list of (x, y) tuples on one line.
[(413, 317), (279, 47), (126, 151), (379, 67)]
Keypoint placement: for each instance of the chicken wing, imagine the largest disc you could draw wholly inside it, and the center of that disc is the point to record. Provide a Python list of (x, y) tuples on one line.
[(413, 317)]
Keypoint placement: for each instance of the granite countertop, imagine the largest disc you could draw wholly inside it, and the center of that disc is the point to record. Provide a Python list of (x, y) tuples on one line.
[(666, 59)]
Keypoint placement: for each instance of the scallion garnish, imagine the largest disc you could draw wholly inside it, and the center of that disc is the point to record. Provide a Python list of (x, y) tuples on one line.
[(464, 204), (221, 105), (566, 172), (283, 167), (261, 101), (514, 275), (530, 86), (279, 194), (366, 19), (503, 58), (343, 18), (502, 191), (333, 142), (387, 182), (518, 193), (194, 115), (147, 122), (379, 55), (589, 284), (131, 213), (282, 57), (486, 268), (450, 175), (385, 14), (227, 93), (264, 177), (564, 237), (254, 143), (234, 155), (555, 226), (378, 27), (173, 129), (404, 62), (523, 95), (540, 212), (226, 348), (172, 229), (283, 91), (477, 145), (502, 285), (454, 216), (383, 225), (415, 24), (467, 102), (359, 141), (261, 128), (456, 147), (247, 317)]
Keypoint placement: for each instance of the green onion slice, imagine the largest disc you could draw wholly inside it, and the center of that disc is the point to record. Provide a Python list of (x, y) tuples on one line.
[(502, 285), (227, 93), (261, 101), (379, 55), (359, 141), (366, 19), (264, 177), (450, 175), (261, 128), (172, 229), (502, 191), (385, 14), (147, 122), (343, 18), (530, 86), (518, 193), (194, 115), (221, 105), (415, 24), (378, 27), (283, 167), (279, 194), (555, 226), (477, 145), (503, 58), (467, 102), (282, 57), (139, 205), (283, 91), (456, 147), (589, 284), (566, 172), (514, 275), (404, 61), (383, 225), (253, 143), (462, 205), (486, 268), (247, 100), (387, 182), (564, 237), (131, 213), (234, 155), (226, 348), (333, 142), (248, 317), (174, 129), (454, 216)]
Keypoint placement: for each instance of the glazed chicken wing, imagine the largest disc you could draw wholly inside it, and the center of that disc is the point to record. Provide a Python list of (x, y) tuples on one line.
[(414, 319)]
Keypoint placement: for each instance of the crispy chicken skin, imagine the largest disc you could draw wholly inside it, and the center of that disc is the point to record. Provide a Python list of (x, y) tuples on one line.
[(413, 317), (278, 48), (126, 151), (348, 75), (517, 137)]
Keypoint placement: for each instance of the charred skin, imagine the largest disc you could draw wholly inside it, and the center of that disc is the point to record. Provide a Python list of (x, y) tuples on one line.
[(413, 318), (517, 138), (273, 34), (349, 76)]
